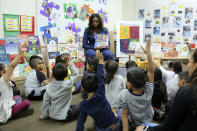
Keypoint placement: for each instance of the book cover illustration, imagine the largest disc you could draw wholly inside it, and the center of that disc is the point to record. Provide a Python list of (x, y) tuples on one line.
[(101, 40)]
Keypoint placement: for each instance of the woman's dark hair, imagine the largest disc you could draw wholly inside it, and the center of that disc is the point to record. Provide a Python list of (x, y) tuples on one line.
[(60, 71), (193, 83), (131, 63), (137, 77), (93, 63), (89, 81), (111, 68), (160, 92), (91, 27)]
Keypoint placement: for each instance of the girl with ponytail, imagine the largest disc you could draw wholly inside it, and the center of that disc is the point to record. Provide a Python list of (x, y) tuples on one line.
[(114, 84)]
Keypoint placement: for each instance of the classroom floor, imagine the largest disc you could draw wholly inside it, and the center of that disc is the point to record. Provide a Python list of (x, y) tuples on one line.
[(33, 123)]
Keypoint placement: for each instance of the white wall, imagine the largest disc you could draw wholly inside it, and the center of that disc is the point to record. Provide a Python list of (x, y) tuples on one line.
[(18, 7), (118, 10)]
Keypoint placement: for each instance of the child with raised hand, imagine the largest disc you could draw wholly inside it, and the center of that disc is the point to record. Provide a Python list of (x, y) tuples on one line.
[(10, 106), (35, 84), (96, 104), (114, 84), (58, 96), (136, 100)]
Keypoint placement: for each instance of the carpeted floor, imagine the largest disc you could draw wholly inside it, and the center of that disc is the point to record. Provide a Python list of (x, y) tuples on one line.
[(33, 123)]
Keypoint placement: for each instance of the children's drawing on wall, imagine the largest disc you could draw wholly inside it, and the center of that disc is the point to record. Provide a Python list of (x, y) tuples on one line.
[(85, 12), (187, 22), (103, 2), (134, 34), (53, 55), (195, 37), (157, 22), (141, 14), (72, 31), (177, 22), (156, 14), (156, 30), (70, 10), (103, 15), (188, 13), (46, 30), (195, 25), (147, 36), (171, 36), (148, 24), (165, 22), (47, 8), (186, 31)]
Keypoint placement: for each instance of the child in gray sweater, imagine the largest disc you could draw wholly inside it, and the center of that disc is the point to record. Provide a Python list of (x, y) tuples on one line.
[(58, 96)]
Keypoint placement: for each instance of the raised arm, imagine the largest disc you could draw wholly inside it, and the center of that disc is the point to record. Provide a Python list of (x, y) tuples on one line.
[(100, 74), (85, 41), (13, 64), (150, 61), (74, 73)]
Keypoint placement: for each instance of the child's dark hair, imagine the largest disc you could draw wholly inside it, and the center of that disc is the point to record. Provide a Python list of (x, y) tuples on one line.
[(185, 76), (177, 67), (33, 61), (58, 59), (93, 63), (131, 63), (89, 81), (111, 68), (137, 77), (2, 67), (170, 65), (159, 83), (60, 71)]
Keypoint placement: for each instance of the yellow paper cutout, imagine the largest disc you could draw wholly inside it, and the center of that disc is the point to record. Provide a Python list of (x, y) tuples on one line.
[(173, 2), (124, 32), (165, 8), (180, 6), (156, 39)]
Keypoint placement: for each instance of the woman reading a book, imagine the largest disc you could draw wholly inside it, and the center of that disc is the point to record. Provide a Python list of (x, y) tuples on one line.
[(96, 37)]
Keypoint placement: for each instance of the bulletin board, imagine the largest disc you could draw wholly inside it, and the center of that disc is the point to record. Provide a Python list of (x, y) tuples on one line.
[(168, 21)]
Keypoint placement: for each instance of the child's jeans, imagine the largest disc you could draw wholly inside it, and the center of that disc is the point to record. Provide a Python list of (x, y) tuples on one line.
[(19, 106), (118, 128)]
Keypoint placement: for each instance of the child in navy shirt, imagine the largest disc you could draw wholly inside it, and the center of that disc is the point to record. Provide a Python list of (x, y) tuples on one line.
[(96, 104)]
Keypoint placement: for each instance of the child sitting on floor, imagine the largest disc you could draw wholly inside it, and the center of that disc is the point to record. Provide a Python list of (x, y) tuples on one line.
[(136, 100), (114, 84), (10, 106), (183, 78), (35, 80), (58, 96), (96, 104), (16, 91), (160, 96)]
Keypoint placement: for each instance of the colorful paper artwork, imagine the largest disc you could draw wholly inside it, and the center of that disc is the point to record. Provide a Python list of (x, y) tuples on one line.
[(46, 30), (188, 13), (70, 10), (73, 50), (47, 8), (156, 30), (124, 32), (141, 14), (195, 25), (166, 22), (52, 40), (103, 15), (62, 48), (177, 21), (85, 12), (187, 31), (134, 33), (148, 24), (156, 14)]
